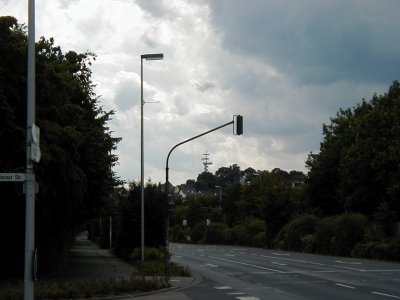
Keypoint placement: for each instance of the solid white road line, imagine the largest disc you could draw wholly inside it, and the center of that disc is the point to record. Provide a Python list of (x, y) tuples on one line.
[(387, 295)]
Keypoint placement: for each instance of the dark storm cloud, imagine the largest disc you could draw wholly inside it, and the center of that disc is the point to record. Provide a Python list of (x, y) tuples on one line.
[(315, 41)]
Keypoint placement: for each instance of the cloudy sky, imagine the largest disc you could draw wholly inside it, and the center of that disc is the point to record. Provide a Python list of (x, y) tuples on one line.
[(286, 66)]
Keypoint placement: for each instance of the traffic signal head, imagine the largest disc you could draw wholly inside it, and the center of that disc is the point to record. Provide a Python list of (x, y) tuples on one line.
[(237, 124)]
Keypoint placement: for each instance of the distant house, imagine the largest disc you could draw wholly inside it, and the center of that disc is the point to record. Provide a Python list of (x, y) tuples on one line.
[(297, 180), (185, 190)]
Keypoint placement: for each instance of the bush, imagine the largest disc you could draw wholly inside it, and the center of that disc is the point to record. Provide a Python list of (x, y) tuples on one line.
[(218, 233), (238, 235), (150, 253), (349, 231), (308, 243), (198, 233), (259, 240), (387, 250), (292, 235), (324, 234), (244, 233)]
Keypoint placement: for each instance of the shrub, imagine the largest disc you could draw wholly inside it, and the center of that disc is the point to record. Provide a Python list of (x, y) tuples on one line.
[(238, 235), (218, 233), (150, 253), (349, 231), (259, 240), (198, 233), (387, 250), (324, 234), (308, 243), (292, 235)]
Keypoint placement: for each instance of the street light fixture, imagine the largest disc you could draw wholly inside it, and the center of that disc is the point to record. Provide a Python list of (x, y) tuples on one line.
[(154, 56)]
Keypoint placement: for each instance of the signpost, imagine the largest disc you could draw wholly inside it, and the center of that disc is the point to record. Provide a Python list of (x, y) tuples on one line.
[(12, 177), (32, 156)]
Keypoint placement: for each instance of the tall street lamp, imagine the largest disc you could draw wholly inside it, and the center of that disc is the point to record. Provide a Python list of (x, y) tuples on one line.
[(155, 56)]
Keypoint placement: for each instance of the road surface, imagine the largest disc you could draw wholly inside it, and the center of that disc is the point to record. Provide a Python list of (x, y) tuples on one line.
[(232, 272)]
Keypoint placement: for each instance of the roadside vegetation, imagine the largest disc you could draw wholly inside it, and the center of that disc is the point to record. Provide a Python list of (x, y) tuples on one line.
[(348, 202), (83, 289)]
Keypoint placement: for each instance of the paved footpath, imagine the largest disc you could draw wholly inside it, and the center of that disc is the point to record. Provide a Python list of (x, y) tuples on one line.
[(87, 261)]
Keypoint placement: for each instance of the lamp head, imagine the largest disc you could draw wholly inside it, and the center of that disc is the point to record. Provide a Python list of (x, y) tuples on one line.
[(152, 56)]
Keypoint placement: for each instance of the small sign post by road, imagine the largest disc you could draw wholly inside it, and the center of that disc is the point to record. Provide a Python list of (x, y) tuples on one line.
[(12, 177)]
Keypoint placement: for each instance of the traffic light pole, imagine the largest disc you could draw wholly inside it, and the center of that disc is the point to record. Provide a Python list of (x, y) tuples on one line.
[(239, 131)]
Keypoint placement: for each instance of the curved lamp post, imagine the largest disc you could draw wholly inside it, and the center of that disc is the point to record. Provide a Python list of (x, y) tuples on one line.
[(237, 130)]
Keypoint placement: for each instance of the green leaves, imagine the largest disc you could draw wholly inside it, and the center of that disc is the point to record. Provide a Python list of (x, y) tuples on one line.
[(358, 166)]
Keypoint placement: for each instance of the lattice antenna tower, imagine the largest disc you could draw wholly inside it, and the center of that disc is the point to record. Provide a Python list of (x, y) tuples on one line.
[(206, 161)]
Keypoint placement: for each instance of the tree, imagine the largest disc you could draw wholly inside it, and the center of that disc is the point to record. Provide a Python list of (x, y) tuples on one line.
[(228, 176), (206, 182), (357, 167), (74, 173)]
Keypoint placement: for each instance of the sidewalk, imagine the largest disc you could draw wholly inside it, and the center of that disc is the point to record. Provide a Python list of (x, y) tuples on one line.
[(88, 261)]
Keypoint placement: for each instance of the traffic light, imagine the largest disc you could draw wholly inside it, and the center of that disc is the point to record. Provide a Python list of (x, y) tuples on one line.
[(237, 124)]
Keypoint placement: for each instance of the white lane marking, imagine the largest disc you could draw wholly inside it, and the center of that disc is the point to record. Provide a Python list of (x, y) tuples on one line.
[(248, 298), (313, 263), (222, 287), (253, 254), (387, 295), (229, 255), (390, 270), (346, 286), (279, 264), (245, 264), (285, 254), (212, 266), (348, 262), (235, 293)]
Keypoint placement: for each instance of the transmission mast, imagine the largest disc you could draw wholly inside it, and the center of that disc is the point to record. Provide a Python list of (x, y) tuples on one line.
[(206, 161)]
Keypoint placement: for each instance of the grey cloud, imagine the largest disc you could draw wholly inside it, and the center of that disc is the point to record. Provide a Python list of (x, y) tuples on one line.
[(155, 7), (315, 41), (205, 86), (125, 95)]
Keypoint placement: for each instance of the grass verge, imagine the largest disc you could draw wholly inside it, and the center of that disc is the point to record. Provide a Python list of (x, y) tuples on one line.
[(83, 289)]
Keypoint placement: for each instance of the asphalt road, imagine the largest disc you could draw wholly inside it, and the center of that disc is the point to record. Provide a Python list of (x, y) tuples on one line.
[(231, 272)]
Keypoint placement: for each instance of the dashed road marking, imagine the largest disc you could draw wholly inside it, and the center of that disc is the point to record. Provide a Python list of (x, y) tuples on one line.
[(245, 264), (222, 287), (346, 286), (279, 264)]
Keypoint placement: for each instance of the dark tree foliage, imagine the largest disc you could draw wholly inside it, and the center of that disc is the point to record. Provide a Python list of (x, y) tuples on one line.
[(128, 222), (74, 173), (357, 169)]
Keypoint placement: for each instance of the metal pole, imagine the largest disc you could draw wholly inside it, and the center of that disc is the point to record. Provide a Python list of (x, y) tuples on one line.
[(110, 232), (141, 164), (167, 254), (30, 176), (166, 258)]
